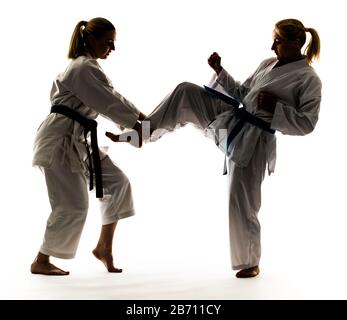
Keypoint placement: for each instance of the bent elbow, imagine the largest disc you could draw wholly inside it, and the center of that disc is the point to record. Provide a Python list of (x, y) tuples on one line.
[(304, 128), (309, 126)]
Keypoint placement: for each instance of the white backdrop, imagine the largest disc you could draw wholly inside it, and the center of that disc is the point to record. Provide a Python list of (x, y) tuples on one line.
[(179, 190)]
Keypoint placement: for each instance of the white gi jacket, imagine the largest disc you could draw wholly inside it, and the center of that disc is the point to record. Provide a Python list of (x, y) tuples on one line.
[(85, 88), (298, 89)]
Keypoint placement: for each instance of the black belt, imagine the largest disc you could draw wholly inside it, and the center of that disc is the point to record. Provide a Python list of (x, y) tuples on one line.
[(94, 159)]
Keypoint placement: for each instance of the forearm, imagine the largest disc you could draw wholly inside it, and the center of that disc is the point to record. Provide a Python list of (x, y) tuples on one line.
[(291, 121), (232, 87)]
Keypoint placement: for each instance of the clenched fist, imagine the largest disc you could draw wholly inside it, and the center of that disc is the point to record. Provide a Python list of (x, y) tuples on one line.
[(215, 62)]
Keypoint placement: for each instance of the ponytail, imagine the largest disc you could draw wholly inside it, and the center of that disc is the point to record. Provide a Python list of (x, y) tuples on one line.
[(313, 48), (292, 29), (77, 43)]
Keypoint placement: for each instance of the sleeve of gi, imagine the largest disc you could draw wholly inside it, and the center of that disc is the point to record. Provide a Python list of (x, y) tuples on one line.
[(235, 88), (302, 118), (231, 86), (91, 86)]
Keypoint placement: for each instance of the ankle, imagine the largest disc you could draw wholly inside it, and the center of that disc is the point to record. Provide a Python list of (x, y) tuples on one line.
[(42, 258), (103, 247)]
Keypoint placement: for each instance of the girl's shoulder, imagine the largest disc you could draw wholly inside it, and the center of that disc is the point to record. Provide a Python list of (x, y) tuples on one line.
[(83, 67), (83, 62)]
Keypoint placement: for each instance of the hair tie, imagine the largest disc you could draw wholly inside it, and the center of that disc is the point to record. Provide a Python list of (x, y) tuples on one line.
[(81, 30)]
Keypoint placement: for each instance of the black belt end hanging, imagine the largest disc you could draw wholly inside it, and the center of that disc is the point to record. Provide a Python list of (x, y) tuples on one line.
[(89, 125)]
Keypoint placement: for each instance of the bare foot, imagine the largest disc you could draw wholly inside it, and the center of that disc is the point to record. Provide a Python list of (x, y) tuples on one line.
[(248, 273), (106, 257), (47, 268)]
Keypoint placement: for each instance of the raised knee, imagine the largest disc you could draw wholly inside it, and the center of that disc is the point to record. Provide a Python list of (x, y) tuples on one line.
[(186, 86)]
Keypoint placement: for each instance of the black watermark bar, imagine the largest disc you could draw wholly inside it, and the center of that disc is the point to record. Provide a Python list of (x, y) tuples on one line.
[(174, 309)]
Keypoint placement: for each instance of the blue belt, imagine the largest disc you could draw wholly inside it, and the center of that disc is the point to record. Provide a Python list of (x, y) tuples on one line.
[(94, 158), (242, 115), (245, 116)]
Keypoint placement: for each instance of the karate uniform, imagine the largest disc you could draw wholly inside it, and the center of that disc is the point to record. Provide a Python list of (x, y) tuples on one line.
[(298, 89), (60, 151)]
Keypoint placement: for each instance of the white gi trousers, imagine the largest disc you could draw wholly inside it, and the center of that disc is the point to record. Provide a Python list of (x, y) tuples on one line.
[(189, 103), (68, 196)]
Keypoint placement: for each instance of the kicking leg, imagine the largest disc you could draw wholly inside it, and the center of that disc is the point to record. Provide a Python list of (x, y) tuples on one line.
[(188, 103)]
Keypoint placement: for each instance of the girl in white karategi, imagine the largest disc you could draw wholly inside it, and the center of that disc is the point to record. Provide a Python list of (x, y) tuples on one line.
[(284, 92), (60, 150)]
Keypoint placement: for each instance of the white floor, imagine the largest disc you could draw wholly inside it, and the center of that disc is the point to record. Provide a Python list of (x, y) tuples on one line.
[(172, 285)]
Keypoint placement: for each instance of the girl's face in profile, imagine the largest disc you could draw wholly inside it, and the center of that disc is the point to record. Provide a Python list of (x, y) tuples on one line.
[(286, 50), (102, 47)]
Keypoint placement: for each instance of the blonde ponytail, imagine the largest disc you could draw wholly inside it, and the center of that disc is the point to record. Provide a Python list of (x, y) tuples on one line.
[(313, 48), (293, 29)]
